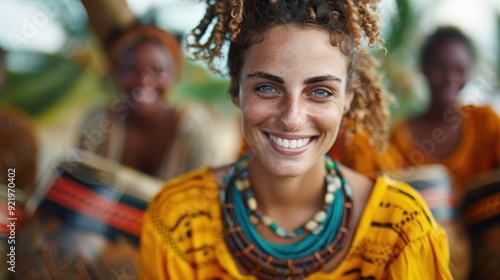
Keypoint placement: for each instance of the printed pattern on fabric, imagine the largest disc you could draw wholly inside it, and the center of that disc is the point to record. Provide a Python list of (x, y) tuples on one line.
[(187, 220)]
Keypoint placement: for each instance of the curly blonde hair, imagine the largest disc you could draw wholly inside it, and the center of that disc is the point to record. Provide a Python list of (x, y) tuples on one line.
[(350, 23)]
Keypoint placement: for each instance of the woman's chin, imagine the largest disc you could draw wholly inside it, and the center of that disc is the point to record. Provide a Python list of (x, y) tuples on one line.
[(148, 109)]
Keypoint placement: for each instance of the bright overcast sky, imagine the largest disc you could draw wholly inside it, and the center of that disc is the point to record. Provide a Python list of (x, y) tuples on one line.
[(28, 25), (31, 25)]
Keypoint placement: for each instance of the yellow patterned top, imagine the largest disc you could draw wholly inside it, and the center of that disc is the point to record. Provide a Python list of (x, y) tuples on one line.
[(396, 237)]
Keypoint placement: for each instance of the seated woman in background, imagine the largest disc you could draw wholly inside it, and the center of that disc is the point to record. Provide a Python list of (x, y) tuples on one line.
[(286, 210), (140, 128), (88, 223), (466, 139), (463, 139)]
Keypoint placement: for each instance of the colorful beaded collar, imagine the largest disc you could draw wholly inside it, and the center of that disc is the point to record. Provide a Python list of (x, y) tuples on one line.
[(326, 231), (315, 226)]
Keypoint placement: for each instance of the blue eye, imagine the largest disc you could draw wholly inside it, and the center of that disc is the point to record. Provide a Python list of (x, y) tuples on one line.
[(266, 89), (321, 93)]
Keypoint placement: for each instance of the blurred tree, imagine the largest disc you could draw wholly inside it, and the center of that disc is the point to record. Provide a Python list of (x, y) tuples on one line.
[(399, 77)]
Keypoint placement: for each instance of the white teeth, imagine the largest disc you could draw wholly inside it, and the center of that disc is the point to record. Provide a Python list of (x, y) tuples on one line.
[(286, 144), (291, 144), (144, 95), (279, 142)]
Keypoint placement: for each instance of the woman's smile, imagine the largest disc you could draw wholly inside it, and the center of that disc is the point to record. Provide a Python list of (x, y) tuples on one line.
[(289, 143)]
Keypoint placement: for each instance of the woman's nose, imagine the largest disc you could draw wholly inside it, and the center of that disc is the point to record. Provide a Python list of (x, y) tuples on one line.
[(454, 76), (292, 113), (146, 79)]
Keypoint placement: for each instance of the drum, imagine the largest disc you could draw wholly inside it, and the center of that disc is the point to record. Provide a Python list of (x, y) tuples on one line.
[(88, 224), (481, 211), (435, 184)]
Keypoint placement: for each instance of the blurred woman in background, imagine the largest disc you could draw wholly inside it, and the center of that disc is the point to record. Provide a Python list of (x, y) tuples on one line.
[(140, 128), (88, 222), (463, 139), (466, 139)]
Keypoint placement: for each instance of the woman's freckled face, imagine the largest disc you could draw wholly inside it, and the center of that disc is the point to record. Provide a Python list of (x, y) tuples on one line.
[(292, 97)]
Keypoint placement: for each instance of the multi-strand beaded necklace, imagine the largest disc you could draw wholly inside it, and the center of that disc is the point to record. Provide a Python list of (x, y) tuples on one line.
[(324, 235)]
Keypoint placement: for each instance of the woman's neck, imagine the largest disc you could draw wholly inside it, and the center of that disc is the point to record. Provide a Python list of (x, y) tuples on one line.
[(277, 192), (150, 121), (437, 112)]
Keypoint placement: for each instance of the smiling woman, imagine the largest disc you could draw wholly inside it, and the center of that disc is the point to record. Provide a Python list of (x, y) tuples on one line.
[(284, 210), (290, 94), (140, 128)]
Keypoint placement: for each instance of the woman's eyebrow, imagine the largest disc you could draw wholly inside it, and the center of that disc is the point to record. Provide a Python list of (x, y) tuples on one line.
[(278, 79), (267, 76), (322, 79)]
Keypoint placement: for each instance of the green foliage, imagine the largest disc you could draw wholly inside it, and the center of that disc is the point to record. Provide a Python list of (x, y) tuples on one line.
[(201, 85), (400, 25), (38, 91)]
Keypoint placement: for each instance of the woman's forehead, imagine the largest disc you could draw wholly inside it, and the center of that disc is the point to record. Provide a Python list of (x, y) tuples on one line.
[(292, 47)]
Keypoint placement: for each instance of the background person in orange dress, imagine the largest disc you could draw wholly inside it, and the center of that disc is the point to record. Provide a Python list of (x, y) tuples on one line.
[(466, 139), (463, 139)]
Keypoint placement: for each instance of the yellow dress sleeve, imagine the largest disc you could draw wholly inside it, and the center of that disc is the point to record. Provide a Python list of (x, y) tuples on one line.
[(424, 258), (153, 257), (157, 260), (426, 255), (180, 229)]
